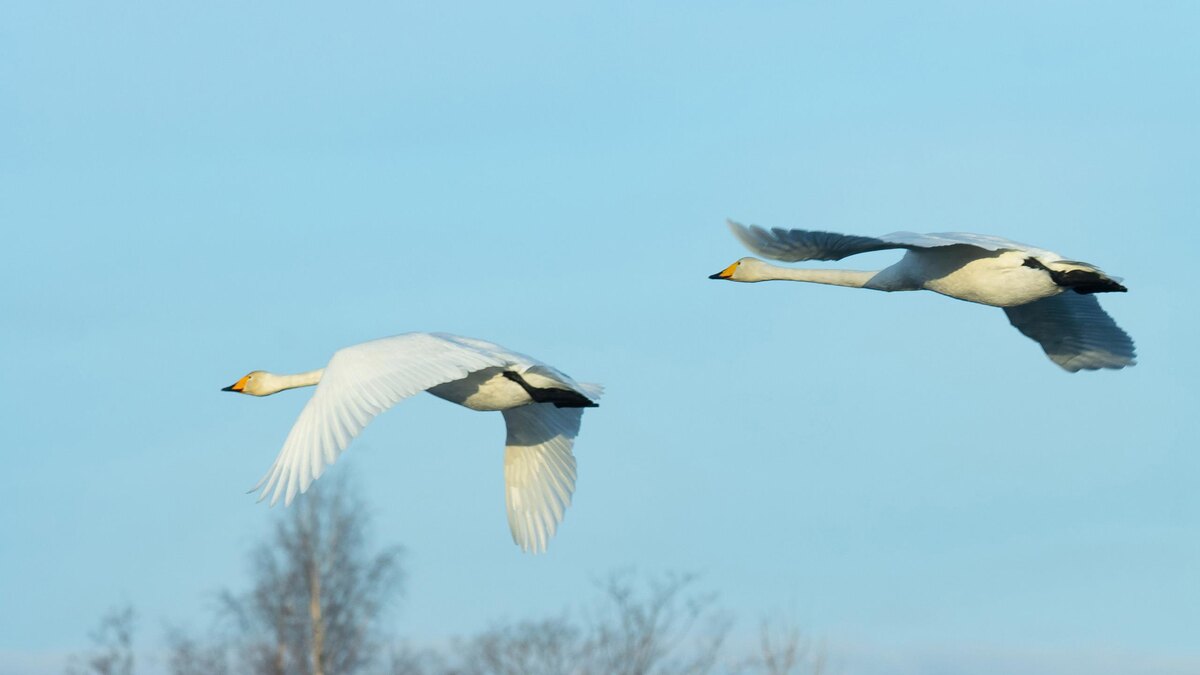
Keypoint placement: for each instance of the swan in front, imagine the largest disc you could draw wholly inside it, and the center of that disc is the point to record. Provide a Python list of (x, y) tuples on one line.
[(1047, 298), (542, 408)]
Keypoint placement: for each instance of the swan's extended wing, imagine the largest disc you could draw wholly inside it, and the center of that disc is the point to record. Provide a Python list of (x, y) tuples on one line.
[(983, 241), (796, 245), (539, 470), (359, 383), (1075, 332)]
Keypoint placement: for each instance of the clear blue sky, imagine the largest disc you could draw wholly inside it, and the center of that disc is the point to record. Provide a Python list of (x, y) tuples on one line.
[(192, 191)]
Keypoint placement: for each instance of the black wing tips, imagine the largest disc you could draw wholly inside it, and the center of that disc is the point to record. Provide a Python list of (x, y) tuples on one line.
[(1084, 282), (561, 398)]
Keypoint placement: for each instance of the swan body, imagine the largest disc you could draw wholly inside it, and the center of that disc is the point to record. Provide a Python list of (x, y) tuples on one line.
[(1046, 297), (542, 410)]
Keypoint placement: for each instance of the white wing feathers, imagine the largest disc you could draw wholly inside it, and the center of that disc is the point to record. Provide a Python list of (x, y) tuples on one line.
[(796, 245), (542, 375), (359, 383), (1075, 332), (539, 470)]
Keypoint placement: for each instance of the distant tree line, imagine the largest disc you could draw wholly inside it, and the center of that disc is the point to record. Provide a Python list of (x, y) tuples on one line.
[(319, 593)]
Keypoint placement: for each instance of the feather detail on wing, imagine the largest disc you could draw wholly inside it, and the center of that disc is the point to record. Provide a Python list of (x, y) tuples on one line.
[(542, 375), (796, 245), (984, 241), (590, 389), (359, 383), (1075, 332), (539, 471)]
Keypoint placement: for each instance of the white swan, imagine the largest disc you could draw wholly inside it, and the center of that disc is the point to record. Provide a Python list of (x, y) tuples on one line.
[(1047, 298), (541, 406)]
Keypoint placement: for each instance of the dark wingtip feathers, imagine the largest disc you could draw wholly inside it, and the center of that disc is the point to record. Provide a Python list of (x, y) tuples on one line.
[(1084, 282), (561, 398)]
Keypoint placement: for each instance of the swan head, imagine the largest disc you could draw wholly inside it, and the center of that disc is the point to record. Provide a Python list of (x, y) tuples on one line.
[(744, 269), (255, 383)]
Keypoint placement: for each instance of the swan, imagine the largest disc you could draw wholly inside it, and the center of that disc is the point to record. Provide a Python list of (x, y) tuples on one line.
[(1047, 298), (541, 406)]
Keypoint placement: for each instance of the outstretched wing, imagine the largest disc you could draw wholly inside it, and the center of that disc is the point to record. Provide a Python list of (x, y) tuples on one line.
[(1075, 332), (539, 470), (986, 242), (796, 245), (359, 383)]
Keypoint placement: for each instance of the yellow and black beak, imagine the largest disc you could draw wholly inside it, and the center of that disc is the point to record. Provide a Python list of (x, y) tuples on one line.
[(725, 273), (237, 386)]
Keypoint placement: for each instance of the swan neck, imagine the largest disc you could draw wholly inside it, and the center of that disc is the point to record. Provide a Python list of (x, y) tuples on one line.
[(851, 278), (308, 379)]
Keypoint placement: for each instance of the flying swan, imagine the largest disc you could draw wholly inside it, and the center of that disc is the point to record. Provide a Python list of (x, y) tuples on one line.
[(1047, 298), (541, 406)]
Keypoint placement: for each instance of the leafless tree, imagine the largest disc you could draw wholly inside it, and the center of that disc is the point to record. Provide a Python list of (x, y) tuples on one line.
[(552, 646), (660, 629), (188, 656), (318, 591), (113, 652), (784, 650), (407, 660)]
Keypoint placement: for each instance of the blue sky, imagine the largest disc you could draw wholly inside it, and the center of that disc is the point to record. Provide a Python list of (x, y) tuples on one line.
[(190, 192)]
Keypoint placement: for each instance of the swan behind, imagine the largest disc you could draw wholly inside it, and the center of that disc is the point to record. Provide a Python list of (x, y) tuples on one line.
[(1049, 299)]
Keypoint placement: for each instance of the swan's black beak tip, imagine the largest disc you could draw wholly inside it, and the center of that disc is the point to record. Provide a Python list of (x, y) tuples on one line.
[(239, 386), (726, 273)]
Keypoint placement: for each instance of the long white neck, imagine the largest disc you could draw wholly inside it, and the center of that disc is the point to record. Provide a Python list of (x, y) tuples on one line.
[(279, 383), (763, 271)]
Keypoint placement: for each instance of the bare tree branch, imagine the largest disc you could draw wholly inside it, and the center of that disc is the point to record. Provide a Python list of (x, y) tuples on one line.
[(318, 591), (660, 630), (405, 660), (113, 640), (783, 649), (656, 632), (186, 656)]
